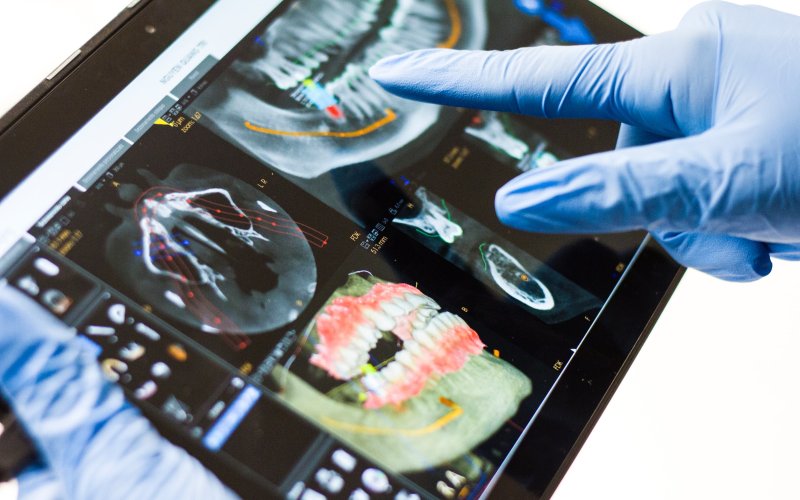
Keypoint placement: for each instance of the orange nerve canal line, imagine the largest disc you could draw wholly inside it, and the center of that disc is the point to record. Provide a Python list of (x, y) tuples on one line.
[(455, 22), (455, 412), (389, 118)]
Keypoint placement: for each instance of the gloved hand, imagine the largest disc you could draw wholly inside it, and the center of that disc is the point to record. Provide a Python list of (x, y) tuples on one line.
[(93, 442), (711, 134)]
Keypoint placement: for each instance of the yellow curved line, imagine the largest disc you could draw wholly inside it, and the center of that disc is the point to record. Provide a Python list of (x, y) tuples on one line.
[(389, 118), (455, 21), (455, 412)]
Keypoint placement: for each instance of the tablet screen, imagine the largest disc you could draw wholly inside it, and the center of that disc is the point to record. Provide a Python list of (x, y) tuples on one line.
[(303, 275)]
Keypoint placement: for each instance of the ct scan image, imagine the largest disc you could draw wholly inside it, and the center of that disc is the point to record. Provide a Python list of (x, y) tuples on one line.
[(301, 99), (212, 252)]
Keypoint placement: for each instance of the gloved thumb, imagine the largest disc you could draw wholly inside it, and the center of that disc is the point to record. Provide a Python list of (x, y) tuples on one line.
[(667, 186), (725, 257)]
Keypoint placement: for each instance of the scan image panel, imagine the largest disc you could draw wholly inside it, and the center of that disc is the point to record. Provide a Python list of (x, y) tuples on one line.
[(510, 142), (212, 252), (301, 99), (498, 263), (400, 379)]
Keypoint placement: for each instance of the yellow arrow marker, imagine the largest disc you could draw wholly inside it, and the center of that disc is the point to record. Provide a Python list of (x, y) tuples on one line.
[(161, 122)]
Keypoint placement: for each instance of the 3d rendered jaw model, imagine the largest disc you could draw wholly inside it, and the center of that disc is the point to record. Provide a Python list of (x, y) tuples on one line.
[(413, 387), (302, 100), (225, 259)]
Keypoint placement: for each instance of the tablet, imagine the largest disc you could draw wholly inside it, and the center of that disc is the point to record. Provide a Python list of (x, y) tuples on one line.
[(300, 278)]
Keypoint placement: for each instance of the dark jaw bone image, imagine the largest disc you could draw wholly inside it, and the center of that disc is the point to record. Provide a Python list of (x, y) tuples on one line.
[(301, 99), (212, 252), (394, 376)]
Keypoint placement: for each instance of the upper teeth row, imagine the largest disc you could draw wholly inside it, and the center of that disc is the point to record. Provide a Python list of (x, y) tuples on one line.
[(309, 34), (301, 41), (427, 336), (384, 316), (414, 25)]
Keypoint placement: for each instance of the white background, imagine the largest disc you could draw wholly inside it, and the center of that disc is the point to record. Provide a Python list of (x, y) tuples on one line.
[(710, 408)]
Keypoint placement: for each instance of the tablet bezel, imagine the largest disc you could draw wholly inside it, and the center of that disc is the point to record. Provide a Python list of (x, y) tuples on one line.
[(115, 56)]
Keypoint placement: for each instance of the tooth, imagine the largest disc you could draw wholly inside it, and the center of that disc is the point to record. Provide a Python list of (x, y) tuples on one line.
[(438, 323), (393, 372), (374, 382), (403, 304), (360, 344), (371, 93), (405, 358), (459, 321), (382, 321), (354, 103), (356, 360), (416, 300), (432, 305), (375, 54), (426, 314), (434, 329), (344, 370), (349, 355), (369, 334), (449, 319), (413, 347), (391, 309), (425, 338)]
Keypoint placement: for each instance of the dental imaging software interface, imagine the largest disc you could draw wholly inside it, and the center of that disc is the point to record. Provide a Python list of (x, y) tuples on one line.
[(302, 274)]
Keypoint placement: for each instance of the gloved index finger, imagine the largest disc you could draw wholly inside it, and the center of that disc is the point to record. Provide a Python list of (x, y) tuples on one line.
[(625, 82)]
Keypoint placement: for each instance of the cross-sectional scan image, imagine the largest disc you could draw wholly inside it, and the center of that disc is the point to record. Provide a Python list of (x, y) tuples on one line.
[(301, 99), (498, 263), (212, 252), (407, 383), (510, 142)]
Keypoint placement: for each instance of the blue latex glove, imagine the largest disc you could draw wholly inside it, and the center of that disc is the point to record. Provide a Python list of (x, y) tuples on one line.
[(711, 134), (94, 443)]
